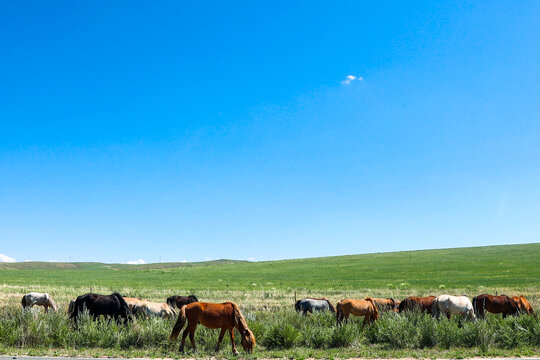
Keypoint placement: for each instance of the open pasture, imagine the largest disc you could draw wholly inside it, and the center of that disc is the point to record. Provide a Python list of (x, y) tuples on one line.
[(266, 291)]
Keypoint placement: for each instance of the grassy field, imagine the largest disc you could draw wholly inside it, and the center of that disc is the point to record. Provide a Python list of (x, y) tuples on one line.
[(266, 292)]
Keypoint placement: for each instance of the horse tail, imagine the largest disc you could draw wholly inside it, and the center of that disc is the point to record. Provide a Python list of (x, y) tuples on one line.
[(23, 301), (194, 298), (179, 323), (435, 308), (475, 305), (332, 308), (393, 303), (402, 305), (339, 312), (513, 305), (123, 304), (375, 315)]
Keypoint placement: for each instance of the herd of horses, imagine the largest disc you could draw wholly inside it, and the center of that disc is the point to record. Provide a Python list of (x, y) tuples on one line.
[(227, 316), (370, 307)]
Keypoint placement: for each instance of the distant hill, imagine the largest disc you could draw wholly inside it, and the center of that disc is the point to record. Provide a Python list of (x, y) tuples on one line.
[(46, 265), (515, 266)]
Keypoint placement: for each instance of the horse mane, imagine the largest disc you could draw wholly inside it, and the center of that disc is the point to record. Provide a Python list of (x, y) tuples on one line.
[(193, 297), (241, 324)]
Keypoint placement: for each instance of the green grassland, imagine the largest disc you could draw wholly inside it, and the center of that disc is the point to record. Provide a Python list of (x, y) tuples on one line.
[(514, 266), (266, 292)]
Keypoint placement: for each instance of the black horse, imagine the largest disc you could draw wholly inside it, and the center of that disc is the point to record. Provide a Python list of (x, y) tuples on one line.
[(177, 301), (112, 305)]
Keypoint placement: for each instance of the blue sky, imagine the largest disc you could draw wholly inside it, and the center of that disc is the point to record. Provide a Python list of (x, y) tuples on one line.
[(202, 130)]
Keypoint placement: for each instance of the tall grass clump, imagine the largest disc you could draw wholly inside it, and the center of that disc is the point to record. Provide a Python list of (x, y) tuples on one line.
[(274, 331)]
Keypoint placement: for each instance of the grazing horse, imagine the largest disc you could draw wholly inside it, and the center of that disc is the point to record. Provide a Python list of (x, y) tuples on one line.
[(412, 302), (177, 301), (448, 304), (387, 304), (523, 305), (149, 308), (132, 302), (226, 316), (112, 305), (357, 307), (314, 304), (494, 304), (35, 298)]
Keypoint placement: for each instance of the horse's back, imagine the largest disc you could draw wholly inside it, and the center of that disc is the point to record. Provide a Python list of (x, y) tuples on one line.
[(211, 315), (453, 304), (356, 306), (314, 304)]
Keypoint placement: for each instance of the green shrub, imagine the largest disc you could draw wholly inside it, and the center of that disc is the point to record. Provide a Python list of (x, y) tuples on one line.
[(281, 336)]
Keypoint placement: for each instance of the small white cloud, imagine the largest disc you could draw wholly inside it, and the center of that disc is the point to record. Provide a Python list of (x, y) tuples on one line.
[(54, 261), (183, 260), (5, 258), (350, 78), (251, 258), (136, 262)]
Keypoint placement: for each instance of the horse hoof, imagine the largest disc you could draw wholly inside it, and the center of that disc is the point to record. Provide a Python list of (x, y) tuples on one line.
[(235, 352)]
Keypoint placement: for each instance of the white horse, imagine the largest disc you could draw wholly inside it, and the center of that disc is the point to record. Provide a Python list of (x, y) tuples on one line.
[(149, 308), (448, 304), (35, 298)]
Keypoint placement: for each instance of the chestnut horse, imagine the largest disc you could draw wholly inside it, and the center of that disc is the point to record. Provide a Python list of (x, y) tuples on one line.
[(356, 307), (226, 316), (523, 305), (387, 304), (494, 304), (413, 302)]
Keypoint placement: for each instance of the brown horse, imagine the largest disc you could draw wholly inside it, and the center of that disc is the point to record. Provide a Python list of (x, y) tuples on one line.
[(412, 302), (356, 307), (387, 304), (523, 305), (494, 304), (226, 316)]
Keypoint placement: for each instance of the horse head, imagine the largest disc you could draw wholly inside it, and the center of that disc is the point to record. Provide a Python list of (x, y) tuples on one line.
[(297, 306), (247, 340)]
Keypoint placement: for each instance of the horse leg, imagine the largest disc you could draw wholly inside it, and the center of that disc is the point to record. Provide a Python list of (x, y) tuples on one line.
[(192, 337), (46, 308), (504, 315), (221, 334), (183, 342), (231, 332), (448, 315)]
